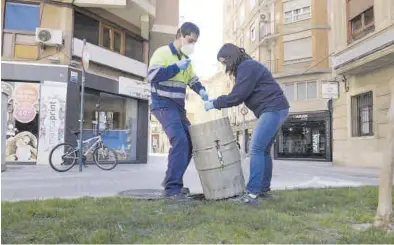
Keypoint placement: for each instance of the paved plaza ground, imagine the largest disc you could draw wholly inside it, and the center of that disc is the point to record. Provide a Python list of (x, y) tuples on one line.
[(41, 182)]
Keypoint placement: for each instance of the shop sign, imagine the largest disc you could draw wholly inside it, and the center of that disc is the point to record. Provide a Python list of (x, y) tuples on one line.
[(24, 112), (134, 88), (26, 93), (301, 116), (52, 117)]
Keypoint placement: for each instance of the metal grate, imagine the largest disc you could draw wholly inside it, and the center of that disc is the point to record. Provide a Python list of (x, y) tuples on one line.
[(362, 114)]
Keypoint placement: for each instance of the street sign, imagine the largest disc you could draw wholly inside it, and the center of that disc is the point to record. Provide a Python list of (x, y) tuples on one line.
[(85, 56), (330, 90), (244, 111)]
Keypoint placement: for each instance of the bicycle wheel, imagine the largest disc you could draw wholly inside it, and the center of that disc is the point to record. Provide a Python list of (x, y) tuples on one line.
[(65, 154), (105, 158)]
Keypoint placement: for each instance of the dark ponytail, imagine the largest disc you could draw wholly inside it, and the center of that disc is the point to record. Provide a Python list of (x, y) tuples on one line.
[(233, 56)]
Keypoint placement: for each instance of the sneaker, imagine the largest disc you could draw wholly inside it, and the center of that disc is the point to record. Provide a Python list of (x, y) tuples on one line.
[(179, 197), (184, 190), (248, 198)]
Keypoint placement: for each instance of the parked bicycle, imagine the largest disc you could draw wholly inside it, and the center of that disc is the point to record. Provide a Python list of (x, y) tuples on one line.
[(103, 156)]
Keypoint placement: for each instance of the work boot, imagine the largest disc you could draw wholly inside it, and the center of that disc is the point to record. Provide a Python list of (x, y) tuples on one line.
[(179, 197)]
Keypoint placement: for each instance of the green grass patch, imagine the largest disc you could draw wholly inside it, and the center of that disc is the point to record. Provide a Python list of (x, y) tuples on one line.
[(299, 216)]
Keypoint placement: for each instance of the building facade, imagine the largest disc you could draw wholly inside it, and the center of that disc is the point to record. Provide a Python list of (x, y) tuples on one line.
[(362, 38), (290, 37), (41, 73)]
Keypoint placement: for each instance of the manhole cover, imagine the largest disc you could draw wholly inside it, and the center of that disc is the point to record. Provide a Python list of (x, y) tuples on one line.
[(150, 194)]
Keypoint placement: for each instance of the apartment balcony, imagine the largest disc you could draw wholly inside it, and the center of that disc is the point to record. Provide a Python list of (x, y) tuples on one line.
[(111, 59), (367, 54), (266, 32), (129, 10)]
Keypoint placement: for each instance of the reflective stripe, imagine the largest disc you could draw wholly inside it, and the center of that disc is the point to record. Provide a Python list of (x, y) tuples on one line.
[(153, 70), (173, 84), (193, 81), (173, 95)]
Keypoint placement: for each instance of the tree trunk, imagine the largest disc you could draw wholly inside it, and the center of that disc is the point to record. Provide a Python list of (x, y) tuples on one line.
[(384, 210)]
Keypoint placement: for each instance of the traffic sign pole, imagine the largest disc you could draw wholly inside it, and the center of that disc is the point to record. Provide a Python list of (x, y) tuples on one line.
[(244, 112), (85, 66)]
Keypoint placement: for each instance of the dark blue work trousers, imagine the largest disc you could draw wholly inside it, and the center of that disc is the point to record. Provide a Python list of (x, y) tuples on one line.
[(176, 126)]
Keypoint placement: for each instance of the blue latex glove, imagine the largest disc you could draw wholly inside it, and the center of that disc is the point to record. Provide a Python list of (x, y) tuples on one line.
[(204, 95), (183, 64), (208, 105)]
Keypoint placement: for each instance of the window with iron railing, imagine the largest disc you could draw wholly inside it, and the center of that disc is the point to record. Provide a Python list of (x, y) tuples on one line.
[(362, 114)]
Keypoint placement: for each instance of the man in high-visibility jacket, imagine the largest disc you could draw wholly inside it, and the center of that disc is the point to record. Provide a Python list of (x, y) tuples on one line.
[(170, 72)]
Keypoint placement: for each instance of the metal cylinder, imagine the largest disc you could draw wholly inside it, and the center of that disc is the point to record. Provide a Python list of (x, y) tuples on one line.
[(217, 159)]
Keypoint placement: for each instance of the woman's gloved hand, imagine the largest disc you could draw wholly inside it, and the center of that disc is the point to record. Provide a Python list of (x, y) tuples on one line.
[(208, 105), (204, 95), (183, 64)]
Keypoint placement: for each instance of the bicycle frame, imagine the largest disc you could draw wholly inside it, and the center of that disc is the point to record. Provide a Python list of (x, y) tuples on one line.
[(98, 141)]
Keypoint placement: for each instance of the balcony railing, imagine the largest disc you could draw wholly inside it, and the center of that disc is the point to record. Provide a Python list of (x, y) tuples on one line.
[(272, 65), (266, 29)]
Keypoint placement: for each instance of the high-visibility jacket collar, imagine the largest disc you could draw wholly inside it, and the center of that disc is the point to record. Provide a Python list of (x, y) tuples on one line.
[(175, 52)]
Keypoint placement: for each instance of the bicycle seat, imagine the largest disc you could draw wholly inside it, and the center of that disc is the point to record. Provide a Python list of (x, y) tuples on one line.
[(76, 133)]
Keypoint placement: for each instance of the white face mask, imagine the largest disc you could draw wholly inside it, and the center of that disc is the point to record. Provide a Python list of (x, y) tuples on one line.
[(188, 48)]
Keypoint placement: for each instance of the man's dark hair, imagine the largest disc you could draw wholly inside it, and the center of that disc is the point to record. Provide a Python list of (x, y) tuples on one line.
[(187, 29), (233, 56)]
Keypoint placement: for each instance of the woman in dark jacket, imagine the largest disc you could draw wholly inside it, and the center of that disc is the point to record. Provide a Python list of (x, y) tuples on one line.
[(256, 87)]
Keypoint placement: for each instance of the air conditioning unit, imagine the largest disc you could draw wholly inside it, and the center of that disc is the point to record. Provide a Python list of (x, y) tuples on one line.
[(49, 37)]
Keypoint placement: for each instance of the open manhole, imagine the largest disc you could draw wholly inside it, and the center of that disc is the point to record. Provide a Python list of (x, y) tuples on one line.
[(152, 194)]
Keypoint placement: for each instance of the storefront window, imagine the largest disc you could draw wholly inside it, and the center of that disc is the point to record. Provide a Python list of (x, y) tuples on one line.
[(302, 140), (116, 117), (22, 121)]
